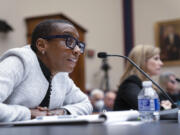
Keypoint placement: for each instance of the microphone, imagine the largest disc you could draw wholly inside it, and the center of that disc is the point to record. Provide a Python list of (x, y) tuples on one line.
[(102, 55), (105, 55)]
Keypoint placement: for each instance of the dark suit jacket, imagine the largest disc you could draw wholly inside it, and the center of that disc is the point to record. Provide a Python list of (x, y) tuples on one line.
[(174, 97), (128, 93)]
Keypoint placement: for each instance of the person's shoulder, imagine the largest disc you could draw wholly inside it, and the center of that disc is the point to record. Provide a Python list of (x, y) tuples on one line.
[(23, 54), (131, 81), (24, 51), (133, 78)]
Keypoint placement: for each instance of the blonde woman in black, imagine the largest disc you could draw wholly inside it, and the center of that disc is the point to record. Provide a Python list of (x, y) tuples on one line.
[(147, 57)]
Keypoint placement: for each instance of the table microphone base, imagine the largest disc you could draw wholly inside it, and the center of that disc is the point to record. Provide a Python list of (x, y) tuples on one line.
[(171, 114)]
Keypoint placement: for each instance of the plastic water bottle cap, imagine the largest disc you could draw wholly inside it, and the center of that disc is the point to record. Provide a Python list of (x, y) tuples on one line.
[(147, 83)]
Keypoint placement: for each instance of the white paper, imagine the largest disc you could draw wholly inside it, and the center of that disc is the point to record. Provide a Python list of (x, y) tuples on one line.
[(120, 116), (107, 117)]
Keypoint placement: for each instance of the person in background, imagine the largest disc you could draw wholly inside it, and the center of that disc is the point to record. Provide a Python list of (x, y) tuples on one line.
[(167, 81), (109, 101), (148, 59), (97, 100), (34, 79)]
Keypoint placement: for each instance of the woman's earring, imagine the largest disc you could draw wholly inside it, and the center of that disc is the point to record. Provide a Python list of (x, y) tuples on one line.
[(43, 52)]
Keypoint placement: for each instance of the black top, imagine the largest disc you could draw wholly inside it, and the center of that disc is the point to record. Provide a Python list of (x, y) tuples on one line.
[(174, 97), (128, 93)]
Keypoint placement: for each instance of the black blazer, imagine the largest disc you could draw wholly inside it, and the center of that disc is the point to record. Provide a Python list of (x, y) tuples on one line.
[(128, 93)]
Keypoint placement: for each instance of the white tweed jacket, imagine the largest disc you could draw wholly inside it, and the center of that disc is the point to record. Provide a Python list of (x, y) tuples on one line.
[(23, 86)]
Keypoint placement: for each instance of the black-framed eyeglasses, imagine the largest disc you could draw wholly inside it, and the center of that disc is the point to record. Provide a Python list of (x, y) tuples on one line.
[(70, 41)]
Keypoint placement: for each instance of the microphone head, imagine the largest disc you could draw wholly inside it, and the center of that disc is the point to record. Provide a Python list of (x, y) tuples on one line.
[(102, 55)]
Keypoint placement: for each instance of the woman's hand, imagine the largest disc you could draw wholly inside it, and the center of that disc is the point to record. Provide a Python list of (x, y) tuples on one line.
[(56, 112), (166, 104), (43, 111), (39, 111)]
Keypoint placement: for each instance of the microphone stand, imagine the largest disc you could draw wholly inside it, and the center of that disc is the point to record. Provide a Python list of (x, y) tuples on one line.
[(148, 77), (105, 67)]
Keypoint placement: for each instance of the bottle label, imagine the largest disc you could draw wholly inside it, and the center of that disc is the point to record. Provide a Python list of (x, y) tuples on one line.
[(157, 104), (148, 105)]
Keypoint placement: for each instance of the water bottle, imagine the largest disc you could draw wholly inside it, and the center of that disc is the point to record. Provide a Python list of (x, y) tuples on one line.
[(148, 103)]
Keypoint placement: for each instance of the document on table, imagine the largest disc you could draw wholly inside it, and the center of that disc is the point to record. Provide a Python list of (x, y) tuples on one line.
[(106, 117), (52, 120), (120, 116)]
